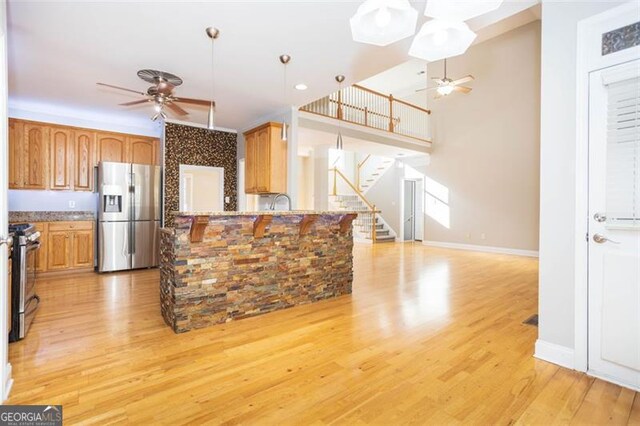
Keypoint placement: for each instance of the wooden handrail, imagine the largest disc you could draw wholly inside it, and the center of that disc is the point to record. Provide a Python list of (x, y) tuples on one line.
[(346, 179), (372, 207), (358, 170), (366, 107)]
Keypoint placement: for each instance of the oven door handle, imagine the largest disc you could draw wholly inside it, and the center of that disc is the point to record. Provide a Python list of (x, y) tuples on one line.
[(33, 246)]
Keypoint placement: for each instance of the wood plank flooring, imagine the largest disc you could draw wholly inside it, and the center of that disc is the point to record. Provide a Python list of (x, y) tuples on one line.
[(429, 336)]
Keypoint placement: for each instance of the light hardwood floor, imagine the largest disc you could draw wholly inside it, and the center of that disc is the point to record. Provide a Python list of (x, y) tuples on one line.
[(429, 336)]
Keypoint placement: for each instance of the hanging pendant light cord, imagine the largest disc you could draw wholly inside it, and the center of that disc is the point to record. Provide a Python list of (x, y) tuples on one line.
[(213, 74)]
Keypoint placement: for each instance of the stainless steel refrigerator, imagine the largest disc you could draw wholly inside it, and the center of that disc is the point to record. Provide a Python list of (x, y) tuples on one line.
[(128, 216)]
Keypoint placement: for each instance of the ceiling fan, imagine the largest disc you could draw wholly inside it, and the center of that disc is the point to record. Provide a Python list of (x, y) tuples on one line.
[(446, 85), (161, 93)]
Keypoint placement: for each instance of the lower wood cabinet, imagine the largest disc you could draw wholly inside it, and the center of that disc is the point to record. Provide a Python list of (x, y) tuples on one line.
[(65, 246)]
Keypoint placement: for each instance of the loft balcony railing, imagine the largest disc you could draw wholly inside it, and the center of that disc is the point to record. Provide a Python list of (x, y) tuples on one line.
[(366, 107)]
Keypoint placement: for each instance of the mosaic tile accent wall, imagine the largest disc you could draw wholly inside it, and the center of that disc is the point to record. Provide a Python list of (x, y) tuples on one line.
[(232, 275), (197, 147), (620, 39)]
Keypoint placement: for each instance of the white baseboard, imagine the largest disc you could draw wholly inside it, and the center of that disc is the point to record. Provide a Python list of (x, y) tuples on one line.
[(487, 249), (556, 354)]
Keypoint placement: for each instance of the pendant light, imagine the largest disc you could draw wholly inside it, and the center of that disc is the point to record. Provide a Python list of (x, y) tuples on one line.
[(284, 59), (382, 22), (339, 114), (213, 34), (438, 39)]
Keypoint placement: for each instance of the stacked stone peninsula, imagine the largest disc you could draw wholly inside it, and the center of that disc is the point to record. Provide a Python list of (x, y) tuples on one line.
[(220, 266)]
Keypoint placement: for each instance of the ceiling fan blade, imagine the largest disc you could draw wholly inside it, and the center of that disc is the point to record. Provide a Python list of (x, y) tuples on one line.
[(142, 101), (192, 101), (436, 79), (463, 80), (176, 109), (462, 89), (121, 88), (437, 96)]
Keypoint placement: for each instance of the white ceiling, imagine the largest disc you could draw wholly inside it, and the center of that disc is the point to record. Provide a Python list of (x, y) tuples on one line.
[(59, 50)]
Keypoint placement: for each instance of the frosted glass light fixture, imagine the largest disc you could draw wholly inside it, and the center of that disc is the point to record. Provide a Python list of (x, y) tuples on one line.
[(382, 22), (459, 10), (438, 39)]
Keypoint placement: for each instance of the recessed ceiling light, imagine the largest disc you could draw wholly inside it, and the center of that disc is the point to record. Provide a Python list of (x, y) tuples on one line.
[(301, 86)]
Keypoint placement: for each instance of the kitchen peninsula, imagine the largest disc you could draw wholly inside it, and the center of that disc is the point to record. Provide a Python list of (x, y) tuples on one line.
[(220, 266)]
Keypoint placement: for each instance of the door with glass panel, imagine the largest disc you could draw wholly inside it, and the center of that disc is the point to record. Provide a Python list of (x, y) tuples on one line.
[(614, 224)]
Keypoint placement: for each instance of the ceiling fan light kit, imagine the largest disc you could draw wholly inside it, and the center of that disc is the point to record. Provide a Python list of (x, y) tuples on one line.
[(382, 22), (459, 10), (438, 39)]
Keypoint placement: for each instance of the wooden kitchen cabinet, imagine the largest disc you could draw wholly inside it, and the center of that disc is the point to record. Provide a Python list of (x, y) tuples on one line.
[(61, 149), (112, 147), (84, 151), (47, 156), (58, 250), (142, 150), (265, 160), (16, 155), (82, 244), (70, 246), (35, 138), (41, 259)]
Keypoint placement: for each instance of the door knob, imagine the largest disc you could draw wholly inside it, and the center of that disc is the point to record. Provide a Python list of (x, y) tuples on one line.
[(601, 239), (600, 217), (6, 241)]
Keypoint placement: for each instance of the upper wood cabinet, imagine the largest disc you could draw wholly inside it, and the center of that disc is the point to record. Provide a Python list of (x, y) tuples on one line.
[(84, 159), (16, 155), (112, 147), (142, 150), (35, 139), (265, 160), (46, 156), (61, 162)]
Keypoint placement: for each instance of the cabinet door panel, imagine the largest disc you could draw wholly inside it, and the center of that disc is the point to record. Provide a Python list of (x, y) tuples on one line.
[(58, 256), (41, 259), (16, 154), (278, 161), (35, 138), (263, 166), (250, 164), (84, 160), (142, 151), (83, 249), (112, 148), (61, 159)]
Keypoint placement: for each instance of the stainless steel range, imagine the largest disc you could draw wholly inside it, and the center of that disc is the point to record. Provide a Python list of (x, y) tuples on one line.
[(24, 300)]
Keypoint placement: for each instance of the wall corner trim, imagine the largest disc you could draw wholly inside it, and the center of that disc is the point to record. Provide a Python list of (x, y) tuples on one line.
[(485, 249), (553, 353)]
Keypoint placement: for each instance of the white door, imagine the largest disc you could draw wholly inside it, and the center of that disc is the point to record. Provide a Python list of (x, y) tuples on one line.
[(5, 367), (614, 224)]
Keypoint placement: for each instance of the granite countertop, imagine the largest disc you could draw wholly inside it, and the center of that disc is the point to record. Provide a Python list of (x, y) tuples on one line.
[(49, 216), (269, 212)]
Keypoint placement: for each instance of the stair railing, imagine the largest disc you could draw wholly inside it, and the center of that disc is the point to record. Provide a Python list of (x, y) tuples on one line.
[(362, 106), (372, 207), (358, 167)]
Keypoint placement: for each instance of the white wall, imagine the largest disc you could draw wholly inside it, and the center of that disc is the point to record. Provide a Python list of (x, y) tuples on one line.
[(486, 145), (558, 168)]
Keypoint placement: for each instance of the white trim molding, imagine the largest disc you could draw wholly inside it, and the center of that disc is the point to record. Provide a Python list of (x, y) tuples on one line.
[(485, 249), (553, 353)]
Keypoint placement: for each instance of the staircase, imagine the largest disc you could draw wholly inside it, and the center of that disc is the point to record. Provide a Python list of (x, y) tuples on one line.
[(362, 226), (370, 169)]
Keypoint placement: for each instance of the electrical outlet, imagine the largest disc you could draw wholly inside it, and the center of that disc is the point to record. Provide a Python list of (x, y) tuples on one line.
[(483, 236), (227, 199), (72, 204)]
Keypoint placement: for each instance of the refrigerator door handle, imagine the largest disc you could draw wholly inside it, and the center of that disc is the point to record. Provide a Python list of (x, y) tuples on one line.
[(125, 246), (133, 237)]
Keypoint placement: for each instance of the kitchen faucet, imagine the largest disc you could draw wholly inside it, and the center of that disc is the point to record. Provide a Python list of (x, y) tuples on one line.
[(275, 199)]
